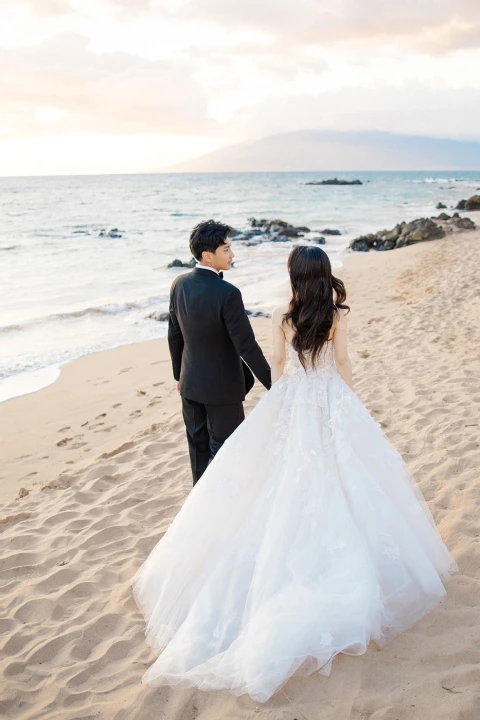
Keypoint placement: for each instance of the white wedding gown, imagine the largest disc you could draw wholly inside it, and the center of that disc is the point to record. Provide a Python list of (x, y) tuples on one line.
[(306, 537)]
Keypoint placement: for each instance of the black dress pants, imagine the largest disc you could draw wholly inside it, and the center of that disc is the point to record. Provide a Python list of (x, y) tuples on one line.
[(208, 426)]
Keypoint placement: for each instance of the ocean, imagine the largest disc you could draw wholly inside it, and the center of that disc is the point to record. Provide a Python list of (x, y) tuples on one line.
[(68, 290)]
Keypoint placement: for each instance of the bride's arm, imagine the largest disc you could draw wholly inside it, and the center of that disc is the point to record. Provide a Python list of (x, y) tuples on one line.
[(341, 352), (278, 359)]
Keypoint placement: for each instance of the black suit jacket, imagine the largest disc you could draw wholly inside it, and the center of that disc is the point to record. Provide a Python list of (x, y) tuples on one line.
[(209, 335)]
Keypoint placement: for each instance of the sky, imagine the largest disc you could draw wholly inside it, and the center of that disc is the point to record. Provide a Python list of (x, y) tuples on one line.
[(109, 86)]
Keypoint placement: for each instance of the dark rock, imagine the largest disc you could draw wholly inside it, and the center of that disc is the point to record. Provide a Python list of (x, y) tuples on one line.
[(461, 205), (390, 244), (403, 234), (253, 222), (360, 245), (444, 216), (440, 206), (327, 231), (319, 240), (113, 233), (473, 203), (263, 230), (257, 314), (157, 315), (364, 243), (249, 234), (392, 236), (462, 223), (290, 232), (277, 225), (180, 264), (334, 181), (426, 230)]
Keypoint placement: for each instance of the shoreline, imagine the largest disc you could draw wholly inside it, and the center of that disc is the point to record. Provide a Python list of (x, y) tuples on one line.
[(102, 459), (111, 383)]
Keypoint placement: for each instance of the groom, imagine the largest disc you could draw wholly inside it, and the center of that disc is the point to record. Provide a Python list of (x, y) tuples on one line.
[(212, 346)]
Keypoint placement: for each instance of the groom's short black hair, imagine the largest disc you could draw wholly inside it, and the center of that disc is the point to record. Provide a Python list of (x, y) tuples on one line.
[(207, 236)]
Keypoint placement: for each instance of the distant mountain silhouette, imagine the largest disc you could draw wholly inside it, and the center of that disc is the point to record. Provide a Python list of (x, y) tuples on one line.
[(329, 150)]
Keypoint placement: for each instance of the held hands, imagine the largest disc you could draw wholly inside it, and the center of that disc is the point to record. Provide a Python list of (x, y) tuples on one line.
[(177, 384)]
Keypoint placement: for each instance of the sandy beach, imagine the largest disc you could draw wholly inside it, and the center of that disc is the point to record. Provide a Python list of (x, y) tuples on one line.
[(95, 467)]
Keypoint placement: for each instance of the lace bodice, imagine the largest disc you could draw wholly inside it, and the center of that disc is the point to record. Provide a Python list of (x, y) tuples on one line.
[(325, 360)]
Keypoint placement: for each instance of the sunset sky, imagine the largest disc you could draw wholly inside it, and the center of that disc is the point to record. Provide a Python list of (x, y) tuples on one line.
[(94, 86)]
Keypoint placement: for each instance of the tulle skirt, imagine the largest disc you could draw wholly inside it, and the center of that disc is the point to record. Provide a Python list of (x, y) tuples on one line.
[(305, 538)]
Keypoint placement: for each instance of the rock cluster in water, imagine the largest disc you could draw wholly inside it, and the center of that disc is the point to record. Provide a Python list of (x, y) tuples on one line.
[(473, 203), (113, 233), (264, 230), (180, 264), (334, 181), (413, 232), (328, 231)]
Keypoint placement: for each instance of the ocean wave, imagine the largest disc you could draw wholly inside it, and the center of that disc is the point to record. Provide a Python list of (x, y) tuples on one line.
[(437, 181), (6, 248), (100, 310)]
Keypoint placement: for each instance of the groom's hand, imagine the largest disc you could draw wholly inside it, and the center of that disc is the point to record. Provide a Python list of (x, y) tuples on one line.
[(178, 385)]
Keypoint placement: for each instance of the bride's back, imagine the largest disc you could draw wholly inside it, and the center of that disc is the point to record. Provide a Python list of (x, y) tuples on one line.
[(313, 324)]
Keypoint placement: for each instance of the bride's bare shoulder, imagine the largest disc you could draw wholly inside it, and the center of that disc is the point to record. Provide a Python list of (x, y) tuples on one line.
[(339, 318), (278, 314)]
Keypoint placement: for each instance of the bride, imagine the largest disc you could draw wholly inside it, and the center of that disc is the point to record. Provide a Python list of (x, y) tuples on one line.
[(306, 537)]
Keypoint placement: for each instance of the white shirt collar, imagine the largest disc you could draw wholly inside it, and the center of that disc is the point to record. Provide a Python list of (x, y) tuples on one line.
[(207, 267)]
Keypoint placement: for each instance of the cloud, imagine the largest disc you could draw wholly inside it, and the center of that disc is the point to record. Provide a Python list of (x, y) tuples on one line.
[(410, 23), (111, 93), (46, 8), (226, 71)]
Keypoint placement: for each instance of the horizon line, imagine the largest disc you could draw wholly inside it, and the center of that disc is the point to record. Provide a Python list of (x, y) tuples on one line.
[(234, 172)]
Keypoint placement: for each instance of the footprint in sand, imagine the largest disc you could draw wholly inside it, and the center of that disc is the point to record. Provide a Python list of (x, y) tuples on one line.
[(159, 383), (124, 370), (117, 405), (136, 413), (155, 401), (107, 429), (63, 442), (141, 392), (101, 415), (62, 430)]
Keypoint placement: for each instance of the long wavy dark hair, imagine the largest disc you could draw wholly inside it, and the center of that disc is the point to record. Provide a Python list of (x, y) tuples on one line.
[(312, 309)]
